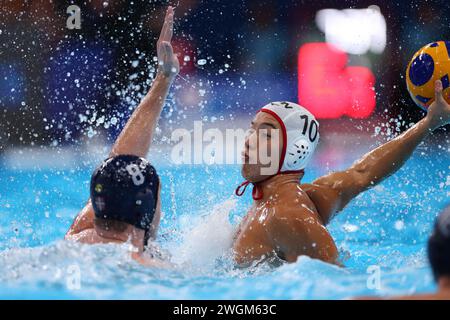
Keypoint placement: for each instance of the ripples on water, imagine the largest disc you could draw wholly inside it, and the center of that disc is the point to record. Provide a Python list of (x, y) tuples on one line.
[(386, 227)]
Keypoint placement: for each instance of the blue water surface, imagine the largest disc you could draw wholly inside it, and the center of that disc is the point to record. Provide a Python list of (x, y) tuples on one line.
[(383, 231)]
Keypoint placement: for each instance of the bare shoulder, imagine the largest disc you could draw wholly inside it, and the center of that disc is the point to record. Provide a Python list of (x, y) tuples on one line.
[(84, 220), (325, 199), (292, 192), (87, 236), (322, 199), (293, 207), (297, 229)]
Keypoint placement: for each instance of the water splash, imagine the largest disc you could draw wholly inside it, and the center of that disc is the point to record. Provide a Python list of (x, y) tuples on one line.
[(205, 238)]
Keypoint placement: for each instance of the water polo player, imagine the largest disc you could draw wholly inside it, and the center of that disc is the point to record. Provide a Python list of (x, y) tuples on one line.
[(288, 218), (439, 257), (124, 204)]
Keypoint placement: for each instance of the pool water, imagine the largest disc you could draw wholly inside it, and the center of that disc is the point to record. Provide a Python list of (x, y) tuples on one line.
[(382, 232)]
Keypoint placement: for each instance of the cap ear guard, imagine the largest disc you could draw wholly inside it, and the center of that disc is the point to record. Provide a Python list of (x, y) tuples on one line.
[(298, 153), (300, 132)]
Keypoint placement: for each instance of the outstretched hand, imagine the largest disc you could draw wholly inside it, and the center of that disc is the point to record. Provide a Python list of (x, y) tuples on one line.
[(439, 110), (168, 64)]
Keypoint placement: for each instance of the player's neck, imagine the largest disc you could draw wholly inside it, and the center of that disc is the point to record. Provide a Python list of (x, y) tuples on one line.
[(271, 186)]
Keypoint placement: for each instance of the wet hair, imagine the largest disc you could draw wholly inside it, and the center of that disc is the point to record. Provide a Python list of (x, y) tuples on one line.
[(439, 245)]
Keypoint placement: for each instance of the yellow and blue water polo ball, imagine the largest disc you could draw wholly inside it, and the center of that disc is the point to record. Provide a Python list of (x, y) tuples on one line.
[(430, 63)]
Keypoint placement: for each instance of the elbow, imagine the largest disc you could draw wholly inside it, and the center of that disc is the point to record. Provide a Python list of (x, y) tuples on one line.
[(362, 179), (363, 183)]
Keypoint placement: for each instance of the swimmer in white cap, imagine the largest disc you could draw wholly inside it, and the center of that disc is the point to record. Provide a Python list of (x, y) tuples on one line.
[(288, 219)]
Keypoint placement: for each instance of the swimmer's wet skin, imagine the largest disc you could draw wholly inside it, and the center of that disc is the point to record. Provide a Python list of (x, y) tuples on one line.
[(114, 217), (439, 258), (288, 218), (124, 196)]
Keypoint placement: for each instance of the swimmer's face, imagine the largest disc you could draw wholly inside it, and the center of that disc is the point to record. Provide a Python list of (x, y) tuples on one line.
[(262, 150)]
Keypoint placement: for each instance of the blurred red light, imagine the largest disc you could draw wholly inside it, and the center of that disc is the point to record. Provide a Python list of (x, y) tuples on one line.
[(328, 88)]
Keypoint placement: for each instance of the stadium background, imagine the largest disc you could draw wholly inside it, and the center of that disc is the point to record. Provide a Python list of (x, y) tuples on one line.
[(56, 83)]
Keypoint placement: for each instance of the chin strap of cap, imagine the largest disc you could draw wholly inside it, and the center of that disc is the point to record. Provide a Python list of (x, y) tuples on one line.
[(257, 192)]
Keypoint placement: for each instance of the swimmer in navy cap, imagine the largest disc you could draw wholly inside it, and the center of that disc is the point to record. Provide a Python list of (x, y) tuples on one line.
[(124, 194), (439, 258), (125, 199), (125, 205), (439, 251)]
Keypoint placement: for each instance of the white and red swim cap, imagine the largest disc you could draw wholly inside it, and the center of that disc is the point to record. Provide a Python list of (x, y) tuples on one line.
[(300, 131)]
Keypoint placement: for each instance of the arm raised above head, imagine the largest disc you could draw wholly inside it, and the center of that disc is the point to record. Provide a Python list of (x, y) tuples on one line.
[(337, 189), (137, 135)]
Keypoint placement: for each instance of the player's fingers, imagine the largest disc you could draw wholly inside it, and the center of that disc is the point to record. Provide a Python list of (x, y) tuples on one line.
[(165, 25), (438, 90), (168, 31), (168, 22)]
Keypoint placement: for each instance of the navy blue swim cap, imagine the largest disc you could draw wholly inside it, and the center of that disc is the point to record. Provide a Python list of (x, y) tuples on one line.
[(439, 245), (125, 188)]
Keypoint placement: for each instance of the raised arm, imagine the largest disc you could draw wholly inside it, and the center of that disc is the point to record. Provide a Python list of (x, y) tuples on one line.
[(334, 191), (137, 134)]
